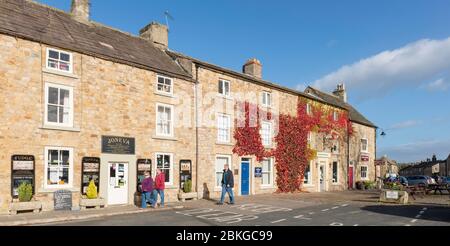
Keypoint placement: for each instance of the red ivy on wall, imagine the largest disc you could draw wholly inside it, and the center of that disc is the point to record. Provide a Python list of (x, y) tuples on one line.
[(292, 153)]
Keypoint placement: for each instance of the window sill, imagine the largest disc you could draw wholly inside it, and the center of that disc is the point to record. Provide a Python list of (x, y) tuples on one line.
[(60, 128), (168, 138), (54, 189), (266, 187), (308, 185), (223, 143), (335, 184), (225, 97), (164, 94), (171, 187), (60, 73)]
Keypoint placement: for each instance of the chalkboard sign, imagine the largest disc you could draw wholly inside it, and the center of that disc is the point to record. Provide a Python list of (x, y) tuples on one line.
[(22, 171), (258, 172), (118, 145), (63, 200)]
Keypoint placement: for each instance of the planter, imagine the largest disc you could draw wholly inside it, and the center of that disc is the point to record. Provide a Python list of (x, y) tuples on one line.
[(35, 206), (187, 196), (92, 203), (394, 196)]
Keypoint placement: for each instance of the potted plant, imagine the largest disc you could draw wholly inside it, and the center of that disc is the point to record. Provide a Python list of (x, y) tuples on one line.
[(393, 192), (25, 200), (369, 185), (187, 193), (359, 185), (91, 200)]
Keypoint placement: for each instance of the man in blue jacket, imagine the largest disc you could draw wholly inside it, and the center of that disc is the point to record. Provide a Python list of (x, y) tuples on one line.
[(227, 185)]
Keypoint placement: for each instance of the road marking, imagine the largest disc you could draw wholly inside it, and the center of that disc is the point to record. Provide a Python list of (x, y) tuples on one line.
[(407, 225), (421, 212), (335, 207), (302, 217), (424, 209), (311, 213), (298, 216), (277, 221), (324, 210), (355, 225), (413, 221), (336, 224), (418, 216), (355, 212), (344, 205)]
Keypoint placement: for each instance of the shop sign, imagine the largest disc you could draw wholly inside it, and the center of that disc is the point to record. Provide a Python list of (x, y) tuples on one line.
[(364, 157), (258, 172), (144, 165), (118, 145)]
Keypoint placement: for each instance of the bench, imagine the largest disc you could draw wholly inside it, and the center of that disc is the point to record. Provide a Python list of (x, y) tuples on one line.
[(416, 190)]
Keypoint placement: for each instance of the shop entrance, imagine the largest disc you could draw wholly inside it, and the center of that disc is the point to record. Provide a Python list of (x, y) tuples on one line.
[(322, 177), (117, 183)]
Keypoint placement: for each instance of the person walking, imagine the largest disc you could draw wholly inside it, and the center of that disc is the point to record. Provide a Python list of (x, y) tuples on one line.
[(160, 181), (147, 191), (227, 185)]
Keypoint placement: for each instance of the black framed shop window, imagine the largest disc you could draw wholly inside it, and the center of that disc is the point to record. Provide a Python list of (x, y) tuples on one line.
[(90, 171), (142, 166), (185, 172), (22, 171)]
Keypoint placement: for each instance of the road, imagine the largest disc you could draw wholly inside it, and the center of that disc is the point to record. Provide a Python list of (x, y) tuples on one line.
[(287, 211)]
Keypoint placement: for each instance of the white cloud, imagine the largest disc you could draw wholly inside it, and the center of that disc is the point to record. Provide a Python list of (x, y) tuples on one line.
[(417, 151), (438, 85), (405, 124), (409, 65)]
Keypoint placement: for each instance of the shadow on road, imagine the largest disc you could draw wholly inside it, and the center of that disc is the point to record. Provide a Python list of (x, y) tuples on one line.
[(433, 212)]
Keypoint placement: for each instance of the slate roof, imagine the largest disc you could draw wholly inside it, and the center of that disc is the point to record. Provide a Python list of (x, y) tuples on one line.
[(354, 115), (39, 23)]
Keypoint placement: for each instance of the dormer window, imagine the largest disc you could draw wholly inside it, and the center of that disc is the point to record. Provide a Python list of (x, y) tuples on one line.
[(59, 60)]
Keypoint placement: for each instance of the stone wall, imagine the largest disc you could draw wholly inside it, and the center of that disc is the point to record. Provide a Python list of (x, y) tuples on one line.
[(356, 155)]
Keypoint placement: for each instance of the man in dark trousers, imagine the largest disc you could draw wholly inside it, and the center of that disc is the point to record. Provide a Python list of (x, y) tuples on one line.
[(227, 185)]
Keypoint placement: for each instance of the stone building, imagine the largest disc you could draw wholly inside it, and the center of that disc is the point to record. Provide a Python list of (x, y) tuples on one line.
[(429, 167), (385, 166), (78, 96)]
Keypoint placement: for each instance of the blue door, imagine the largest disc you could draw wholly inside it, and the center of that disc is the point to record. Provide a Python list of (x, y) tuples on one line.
[(245, 178)]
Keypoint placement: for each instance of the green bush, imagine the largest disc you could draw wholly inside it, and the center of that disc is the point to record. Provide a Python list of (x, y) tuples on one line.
[(25, 192), (187, 186), (369, 185), (91, 192)]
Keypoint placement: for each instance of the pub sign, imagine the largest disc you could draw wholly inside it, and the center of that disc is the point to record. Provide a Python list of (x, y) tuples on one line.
[(118, 145)]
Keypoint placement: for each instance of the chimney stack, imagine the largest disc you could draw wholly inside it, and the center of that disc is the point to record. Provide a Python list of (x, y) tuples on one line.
[(253, 68), (80, 10), (340, 92), (157, 34)]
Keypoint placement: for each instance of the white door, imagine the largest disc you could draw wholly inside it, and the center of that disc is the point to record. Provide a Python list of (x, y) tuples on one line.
[(322, 177), (118, 183)]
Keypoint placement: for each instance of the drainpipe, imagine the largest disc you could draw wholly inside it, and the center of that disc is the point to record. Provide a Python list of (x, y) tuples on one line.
[(196, 128), (348, 162)]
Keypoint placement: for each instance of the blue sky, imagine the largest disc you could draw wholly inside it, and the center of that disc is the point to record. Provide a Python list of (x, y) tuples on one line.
[(394, 56)]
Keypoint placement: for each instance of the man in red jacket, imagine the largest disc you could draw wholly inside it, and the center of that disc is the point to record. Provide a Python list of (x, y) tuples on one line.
[(160, 181)]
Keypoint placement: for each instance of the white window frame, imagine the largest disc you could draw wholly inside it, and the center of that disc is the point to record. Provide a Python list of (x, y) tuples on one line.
[(335, 116), (271, 160), (71, 164), (162, 91), (217, 171), (265, 96), (337, 172), (367, 145), (172, 121), (228, 119), (222, 83), (361, 172), (308, 109), (309, 139), (270, 133), (309, 183), (57, 69), (70, 106), (171, 174)]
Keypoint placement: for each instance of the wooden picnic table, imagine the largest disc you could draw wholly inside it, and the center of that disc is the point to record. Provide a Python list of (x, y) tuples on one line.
[(416, 190), (439, 187)]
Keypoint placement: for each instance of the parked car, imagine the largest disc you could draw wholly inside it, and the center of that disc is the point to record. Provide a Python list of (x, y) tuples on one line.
[(446, 180), (420, 180), (403, 181)]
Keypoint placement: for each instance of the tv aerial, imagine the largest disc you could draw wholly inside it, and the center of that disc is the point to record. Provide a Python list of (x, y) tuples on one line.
[(168, 17)]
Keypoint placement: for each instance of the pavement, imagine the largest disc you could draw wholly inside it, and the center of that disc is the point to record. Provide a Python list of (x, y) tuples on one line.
[(348, 208)]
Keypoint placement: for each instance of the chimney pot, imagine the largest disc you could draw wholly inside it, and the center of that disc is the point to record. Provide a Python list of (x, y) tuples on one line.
[(157, 34), (81, 10), (253, 67), (341, 92)]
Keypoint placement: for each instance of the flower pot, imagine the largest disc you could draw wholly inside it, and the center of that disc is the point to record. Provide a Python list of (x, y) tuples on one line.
[(35, 206), (394, 196), (92, 203), (184, 196)]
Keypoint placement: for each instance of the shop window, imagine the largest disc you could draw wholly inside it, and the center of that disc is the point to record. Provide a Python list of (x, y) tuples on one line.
[(164, 162), (307, 178), (364, 173), (266, 133), (267, 172), (335, 172), (58, 105), (59, 167), (164, 85), (164, 120), (221, 161), (224, 88), (59, 60), (223, 128)]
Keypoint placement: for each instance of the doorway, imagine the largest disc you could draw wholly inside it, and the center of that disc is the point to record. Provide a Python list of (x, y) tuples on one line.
[(117, 183), (350, 177), (322, 176), (245, 177)]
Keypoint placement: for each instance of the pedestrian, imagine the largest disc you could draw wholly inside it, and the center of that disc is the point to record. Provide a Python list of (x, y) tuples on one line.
[(147, 191), (160, 181), (227, 185)]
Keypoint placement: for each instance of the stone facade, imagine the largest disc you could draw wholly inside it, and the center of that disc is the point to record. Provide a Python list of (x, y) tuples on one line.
[(362, 158), (109, 99)]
